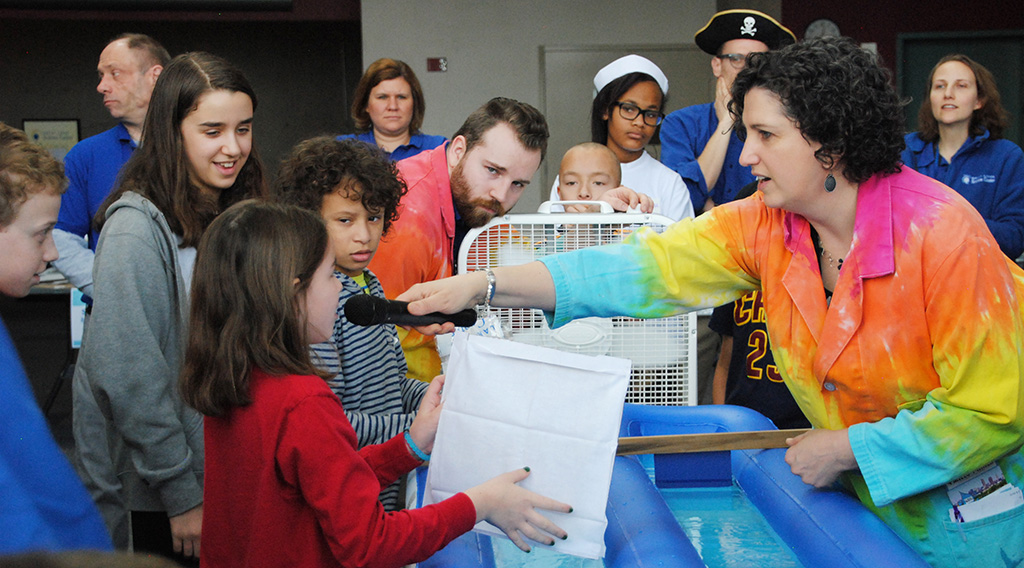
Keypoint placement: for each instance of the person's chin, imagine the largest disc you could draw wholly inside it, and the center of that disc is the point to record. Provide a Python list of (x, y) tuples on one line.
[(21, 290), (393, 128), (479, 218), (774, 202)]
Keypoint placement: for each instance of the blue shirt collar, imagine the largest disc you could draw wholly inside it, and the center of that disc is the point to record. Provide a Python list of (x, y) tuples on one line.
[(123, 136), (928, 152), (417, 140)]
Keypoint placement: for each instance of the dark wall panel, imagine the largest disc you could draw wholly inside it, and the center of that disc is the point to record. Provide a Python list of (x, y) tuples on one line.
[(303, 71), (149, 4), (882, 22)]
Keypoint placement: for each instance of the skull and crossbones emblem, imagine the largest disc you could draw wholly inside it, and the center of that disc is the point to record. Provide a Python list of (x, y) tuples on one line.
[(748, 27)]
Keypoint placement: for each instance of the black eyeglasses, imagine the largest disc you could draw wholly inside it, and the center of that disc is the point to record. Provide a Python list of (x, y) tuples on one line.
[(630, 111), (738, 60)]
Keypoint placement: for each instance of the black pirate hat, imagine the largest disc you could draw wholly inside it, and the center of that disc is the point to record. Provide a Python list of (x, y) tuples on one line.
[(742, 24)]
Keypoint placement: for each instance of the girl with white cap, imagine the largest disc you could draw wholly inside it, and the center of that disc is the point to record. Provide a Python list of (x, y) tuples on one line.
[(627, 110)]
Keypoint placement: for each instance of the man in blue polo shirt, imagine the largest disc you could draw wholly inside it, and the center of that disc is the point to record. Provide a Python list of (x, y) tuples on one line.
[(128, 68)]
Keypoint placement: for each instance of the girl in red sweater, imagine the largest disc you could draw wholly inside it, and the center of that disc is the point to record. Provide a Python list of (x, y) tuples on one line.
[(285, 485)]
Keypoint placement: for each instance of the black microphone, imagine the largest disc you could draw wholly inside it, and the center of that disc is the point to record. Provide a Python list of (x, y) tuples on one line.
[(364, 309)]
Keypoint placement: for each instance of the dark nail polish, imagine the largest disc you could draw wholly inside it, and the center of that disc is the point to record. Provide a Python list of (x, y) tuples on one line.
[(570, 509), (527, 468), (565, 537)]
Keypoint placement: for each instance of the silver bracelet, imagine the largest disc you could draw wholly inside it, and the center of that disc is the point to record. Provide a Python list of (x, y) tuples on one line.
[(490, 289)]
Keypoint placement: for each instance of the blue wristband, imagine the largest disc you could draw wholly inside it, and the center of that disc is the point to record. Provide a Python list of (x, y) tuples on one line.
[(415, 449)]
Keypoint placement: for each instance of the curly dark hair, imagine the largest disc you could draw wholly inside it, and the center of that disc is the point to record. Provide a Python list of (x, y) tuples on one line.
[(991, 116), (320, 166), (839, 95)]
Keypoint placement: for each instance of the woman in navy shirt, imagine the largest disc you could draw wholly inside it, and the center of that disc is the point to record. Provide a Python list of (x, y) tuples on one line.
[(960, 144), (388, 107)]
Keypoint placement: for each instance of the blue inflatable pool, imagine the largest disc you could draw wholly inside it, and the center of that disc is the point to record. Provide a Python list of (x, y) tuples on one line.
[(820, 528)]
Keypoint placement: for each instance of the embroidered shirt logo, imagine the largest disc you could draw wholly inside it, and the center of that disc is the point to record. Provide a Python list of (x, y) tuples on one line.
[(969, 180), (748, 27)]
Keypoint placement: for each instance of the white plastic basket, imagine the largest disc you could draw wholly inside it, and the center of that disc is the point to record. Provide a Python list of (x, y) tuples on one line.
[(663, 351)]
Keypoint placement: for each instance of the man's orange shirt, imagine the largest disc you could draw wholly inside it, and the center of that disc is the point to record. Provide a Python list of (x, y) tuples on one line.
[(419, 247)]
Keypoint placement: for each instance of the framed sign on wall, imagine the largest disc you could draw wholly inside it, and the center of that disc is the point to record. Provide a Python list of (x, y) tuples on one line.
[(56, 135)]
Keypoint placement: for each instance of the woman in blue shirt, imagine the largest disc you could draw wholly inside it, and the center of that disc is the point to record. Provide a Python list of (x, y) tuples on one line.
[(388, 107), (960, 144)]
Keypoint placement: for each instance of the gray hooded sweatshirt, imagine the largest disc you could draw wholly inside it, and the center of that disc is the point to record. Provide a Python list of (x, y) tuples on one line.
[(131, 355)]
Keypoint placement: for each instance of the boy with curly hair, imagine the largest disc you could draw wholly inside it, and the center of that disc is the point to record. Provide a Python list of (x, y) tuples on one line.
[(356, 190)]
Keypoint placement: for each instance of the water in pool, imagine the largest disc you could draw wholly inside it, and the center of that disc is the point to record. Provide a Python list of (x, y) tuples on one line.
[(506, 555), (724, 527)]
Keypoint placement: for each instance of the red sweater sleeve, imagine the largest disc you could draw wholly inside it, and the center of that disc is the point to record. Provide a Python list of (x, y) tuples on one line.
[(389, 460), (316, 454)]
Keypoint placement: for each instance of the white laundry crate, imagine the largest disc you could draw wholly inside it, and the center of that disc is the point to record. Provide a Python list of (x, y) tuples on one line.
[(662, 350)]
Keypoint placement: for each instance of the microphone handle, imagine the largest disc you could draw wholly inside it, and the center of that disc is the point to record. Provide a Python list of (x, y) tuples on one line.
[(464, 318)]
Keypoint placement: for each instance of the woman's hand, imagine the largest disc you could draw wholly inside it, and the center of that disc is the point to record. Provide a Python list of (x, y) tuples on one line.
[(622, 198), (424, 427), (448, 295), (512, 509), (186, 530), (819, 456), (522, 286)]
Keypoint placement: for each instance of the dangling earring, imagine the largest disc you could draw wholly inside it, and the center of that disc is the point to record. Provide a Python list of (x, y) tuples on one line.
[(830, 183)]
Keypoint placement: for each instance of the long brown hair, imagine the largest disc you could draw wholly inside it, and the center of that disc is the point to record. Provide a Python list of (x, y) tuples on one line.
[(158, 169), (245, 311), (991, 116)]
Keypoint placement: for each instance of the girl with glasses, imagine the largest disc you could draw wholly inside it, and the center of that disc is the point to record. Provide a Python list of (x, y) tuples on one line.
[(627, 110)]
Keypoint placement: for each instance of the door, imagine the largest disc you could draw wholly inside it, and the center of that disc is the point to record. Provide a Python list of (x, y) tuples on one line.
[(567, 93)]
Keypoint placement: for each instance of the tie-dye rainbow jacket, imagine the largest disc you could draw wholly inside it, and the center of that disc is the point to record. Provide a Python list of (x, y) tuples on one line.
[(419, 247), (918, 354)]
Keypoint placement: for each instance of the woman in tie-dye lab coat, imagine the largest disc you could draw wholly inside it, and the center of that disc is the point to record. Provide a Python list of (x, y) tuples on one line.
[(894, 318)]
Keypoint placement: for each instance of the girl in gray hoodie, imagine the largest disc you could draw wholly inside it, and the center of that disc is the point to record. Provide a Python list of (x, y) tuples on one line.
[(196, 158)]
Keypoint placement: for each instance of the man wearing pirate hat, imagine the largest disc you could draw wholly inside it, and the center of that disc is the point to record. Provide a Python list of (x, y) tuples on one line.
[(697, 141)]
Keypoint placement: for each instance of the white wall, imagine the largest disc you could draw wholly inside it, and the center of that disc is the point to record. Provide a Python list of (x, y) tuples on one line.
[(493, 47)]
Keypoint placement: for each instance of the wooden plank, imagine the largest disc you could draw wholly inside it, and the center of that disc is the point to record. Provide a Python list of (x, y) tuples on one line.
[(712, 442)]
